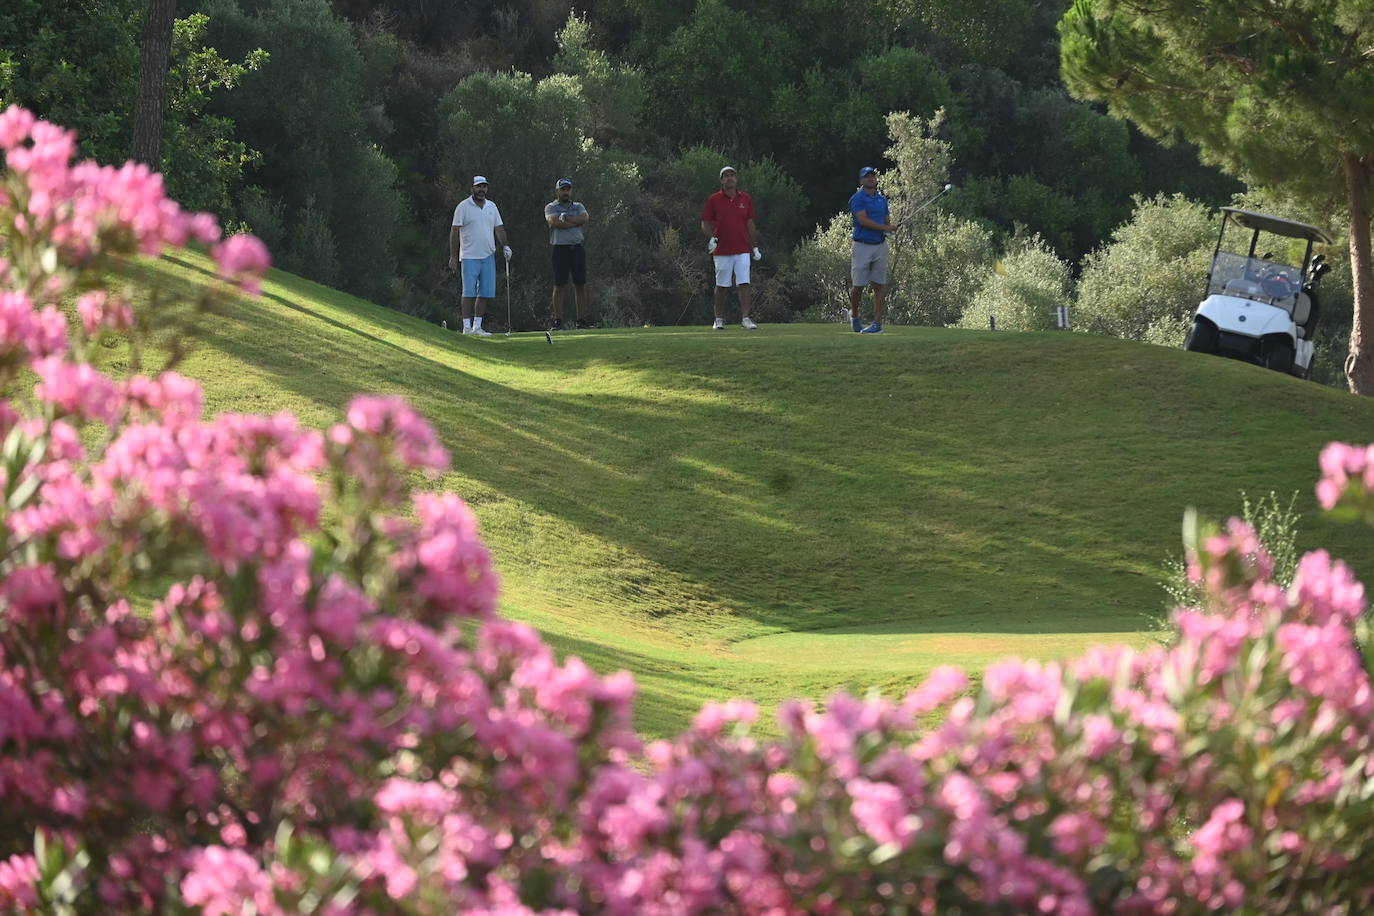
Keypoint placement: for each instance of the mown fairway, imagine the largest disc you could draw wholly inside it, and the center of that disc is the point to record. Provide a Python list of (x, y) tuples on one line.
[(797, 509)]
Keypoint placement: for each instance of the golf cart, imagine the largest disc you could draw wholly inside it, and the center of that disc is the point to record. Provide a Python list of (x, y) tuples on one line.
[(1258, 308)]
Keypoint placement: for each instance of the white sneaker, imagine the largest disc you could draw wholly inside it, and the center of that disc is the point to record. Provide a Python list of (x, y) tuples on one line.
[(467, 329), (480, 332), (719, 325), (748, 324)]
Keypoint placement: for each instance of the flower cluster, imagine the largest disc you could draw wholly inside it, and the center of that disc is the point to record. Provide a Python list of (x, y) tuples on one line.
[(245, 667), (1347, 481)]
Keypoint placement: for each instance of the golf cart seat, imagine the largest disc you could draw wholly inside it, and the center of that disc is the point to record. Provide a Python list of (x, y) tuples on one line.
[(1302, 313)]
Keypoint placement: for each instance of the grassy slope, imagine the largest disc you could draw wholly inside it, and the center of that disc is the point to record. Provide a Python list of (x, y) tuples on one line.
[(785, 512)]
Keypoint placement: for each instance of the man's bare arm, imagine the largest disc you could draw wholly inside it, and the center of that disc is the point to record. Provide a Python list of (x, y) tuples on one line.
[(869, 223)]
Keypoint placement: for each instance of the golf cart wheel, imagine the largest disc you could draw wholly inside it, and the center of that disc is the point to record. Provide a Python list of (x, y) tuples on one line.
[(1278, 356), (1202, 337)]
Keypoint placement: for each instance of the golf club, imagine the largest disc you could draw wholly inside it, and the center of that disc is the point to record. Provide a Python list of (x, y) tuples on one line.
[(508, 298), (914, 213)]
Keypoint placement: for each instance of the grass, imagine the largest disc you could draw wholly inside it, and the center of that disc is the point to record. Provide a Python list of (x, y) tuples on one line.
[(798, 509)]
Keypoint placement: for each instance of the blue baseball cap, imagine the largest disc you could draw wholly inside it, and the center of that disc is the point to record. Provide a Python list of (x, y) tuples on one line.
[(565, 182), (866, 170)]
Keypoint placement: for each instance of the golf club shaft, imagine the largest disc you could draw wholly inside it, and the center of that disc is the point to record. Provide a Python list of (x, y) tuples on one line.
[(914, 213)]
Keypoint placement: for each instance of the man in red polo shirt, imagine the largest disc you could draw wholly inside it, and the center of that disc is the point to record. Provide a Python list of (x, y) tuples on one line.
[(728, 221)]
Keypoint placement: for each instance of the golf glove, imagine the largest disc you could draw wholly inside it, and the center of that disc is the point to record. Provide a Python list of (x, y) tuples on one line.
[(758, 255), (711, 245), (508, 252)]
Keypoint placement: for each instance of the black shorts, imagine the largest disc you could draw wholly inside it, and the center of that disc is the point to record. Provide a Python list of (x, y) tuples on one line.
[(569, 260)]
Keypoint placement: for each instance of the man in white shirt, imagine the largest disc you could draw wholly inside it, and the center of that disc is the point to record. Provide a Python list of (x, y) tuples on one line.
[(476, 228)]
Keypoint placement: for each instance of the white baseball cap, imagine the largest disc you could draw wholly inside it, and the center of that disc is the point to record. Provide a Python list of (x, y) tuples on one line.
[(478, 179), (728, 168)]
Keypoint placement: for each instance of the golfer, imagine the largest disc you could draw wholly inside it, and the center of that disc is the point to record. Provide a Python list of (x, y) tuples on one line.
[(476, 228), (566, 218), (728, 221), (868, 266)]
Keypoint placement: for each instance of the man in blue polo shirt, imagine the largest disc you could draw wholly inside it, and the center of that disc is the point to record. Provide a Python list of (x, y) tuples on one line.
[(868, 266)]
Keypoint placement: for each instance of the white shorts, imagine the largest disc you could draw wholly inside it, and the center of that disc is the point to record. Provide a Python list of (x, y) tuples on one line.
[(732, 269)]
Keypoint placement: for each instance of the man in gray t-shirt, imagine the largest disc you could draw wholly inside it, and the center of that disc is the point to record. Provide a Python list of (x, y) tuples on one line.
[(566, 218)]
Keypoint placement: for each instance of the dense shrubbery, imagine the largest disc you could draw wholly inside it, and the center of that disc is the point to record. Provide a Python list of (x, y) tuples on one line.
[(322, 713), (334, 139), (1024, 292), (1152, 272)]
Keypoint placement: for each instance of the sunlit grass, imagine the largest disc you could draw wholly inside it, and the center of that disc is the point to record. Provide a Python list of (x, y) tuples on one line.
[(797, 509)]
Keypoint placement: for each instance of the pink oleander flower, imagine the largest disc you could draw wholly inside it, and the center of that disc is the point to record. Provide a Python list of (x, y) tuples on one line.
[(15, 126), (242, 259), (1324, 590), (1076, 835), (77, 388), (713, 717), (1347, 470), (19, 875), (881, 811), (99, 310), (939, 687), (227, 882), (392, 416)]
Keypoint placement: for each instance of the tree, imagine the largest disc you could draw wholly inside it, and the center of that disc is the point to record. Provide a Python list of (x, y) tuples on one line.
[(1280, 92), (150, 102), (1148, 276)]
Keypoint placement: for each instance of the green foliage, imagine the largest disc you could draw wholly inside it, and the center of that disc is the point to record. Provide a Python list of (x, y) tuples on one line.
[(796, 91), (1040, 161), (829, 109), (940, 271), (819, 270), (203, 164), (304, 109), (615, 93), (1024, 293), (75, 64), (1276, 92), (311, 248), (715, 75), (976, 30), (1146, 283)]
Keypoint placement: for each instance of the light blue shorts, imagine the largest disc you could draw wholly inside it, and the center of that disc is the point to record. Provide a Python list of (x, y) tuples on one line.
[(479, 277)]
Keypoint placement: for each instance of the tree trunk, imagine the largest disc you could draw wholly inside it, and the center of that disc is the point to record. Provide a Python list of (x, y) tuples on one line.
[(1359, 364), (151, 100)]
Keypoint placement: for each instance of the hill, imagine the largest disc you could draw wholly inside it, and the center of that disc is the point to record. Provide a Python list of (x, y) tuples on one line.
[(789, 511)]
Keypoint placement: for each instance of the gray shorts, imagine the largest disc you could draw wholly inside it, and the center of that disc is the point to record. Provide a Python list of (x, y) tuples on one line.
[(869, 264)]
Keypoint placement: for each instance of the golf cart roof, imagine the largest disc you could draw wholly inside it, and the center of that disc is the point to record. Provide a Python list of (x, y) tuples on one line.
[(1263, 222)]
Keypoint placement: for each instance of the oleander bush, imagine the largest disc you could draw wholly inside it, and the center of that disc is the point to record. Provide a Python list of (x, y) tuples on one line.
[(319, 711)]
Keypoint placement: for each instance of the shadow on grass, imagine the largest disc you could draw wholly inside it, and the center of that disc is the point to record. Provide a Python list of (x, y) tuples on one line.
[(804, 479)]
